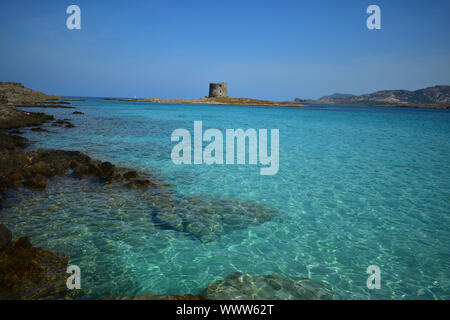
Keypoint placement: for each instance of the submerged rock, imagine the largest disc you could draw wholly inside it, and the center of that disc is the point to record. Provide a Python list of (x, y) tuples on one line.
[(28, 272), (64, 122), (151, 296), (209, 218), (240, 286)]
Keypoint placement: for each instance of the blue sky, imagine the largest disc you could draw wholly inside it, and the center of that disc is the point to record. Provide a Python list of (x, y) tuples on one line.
[(262, 49)]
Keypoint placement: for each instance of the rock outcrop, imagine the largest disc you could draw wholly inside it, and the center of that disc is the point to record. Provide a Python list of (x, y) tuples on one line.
[(28, 272), (10, 117), (31, 169), (16, 94)]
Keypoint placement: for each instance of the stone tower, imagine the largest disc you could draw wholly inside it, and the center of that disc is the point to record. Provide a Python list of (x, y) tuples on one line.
[(218, 90)]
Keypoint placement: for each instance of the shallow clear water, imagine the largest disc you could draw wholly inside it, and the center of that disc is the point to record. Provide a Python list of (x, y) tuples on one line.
[(357, 186)]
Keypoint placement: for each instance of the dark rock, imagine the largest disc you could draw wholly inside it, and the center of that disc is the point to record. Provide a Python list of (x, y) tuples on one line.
[(28, 272), (59, 160), (12, 163), (36, 182), (16, 178), (15, 132), (84, 170), (239, 286), (42, 168), (10, 141), (39, 129), (130, 175), (10, 118), (138, 184), (5, 236), (64, 122), (106, 171), (3, 187)]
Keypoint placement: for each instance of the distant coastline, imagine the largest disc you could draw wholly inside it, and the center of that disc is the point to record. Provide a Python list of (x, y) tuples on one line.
[(437, 97)]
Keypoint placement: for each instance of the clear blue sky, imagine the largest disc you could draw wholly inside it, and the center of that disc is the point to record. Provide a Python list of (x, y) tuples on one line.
[(263, 49)]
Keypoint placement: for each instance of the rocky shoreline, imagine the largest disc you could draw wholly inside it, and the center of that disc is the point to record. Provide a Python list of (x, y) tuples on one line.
[(28, 272)]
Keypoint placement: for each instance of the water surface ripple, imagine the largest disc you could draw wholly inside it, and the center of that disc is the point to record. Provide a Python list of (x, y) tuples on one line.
[(357, 186)]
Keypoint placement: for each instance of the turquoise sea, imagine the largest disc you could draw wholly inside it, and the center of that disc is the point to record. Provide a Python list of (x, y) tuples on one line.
[(357, 186)]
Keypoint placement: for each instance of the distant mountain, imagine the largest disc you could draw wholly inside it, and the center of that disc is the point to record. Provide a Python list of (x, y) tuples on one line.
[(337, 97), (432, 97)]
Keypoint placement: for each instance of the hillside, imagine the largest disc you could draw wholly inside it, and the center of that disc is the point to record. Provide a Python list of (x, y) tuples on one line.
[(432, 97), (15, 93)]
